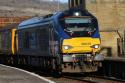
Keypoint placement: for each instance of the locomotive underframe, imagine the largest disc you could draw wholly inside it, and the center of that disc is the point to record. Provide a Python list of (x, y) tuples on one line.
[(81, 66), (81, 62)]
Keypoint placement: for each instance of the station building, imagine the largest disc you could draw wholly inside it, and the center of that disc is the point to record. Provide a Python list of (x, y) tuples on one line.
[(111, 17)]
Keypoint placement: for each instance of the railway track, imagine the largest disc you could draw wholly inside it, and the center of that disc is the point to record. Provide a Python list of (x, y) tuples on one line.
[(79, 78), (90, 78)]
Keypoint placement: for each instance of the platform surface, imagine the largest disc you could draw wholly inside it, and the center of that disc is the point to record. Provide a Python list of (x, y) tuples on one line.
[(120, 59), (15, 75)]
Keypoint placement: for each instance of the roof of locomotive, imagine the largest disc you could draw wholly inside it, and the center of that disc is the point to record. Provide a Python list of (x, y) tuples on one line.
[(35, 21), (38, 21)]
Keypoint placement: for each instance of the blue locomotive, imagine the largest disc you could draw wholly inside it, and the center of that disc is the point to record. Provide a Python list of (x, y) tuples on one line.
[(66, 41)]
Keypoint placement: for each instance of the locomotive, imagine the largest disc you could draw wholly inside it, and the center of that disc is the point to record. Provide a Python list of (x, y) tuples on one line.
[(67, 41)]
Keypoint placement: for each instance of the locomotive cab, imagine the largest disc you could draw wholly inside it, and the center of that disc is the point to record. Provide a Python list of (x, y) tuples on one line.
[(83, 42), (81, 30)]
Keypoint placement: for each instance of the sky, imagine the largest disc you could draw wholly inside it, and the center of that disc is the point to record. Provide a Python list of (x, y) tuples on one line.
[(63, 1)]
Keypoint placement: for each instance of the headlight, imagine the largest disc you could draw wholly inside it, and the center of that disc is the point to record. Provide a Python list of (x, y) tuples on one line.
[(66, 47), (96, 46)]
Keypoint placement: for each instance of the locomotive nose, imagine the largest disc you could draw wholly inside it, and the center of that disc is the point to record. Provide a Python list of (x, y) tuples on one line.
[(80, 45)]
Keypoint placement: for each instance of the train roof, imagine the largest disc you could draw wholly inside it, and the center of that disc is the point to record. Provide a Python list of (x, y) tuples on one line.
[(38, 21), (34, 21), (30, 21)]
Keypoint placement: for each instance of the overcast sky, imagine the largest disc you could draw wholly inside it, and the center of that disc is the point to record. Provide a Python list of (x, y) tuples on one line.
[(64, 0)]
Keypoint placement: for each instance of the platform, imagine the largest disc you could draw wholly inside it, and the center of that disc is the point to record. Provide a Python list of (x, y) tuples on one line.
[(15, 75), (117, 59)]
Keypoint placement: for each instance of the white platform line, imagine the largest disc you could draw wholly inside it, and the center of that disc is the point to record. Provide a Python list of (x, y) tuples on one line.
[(33, 74)]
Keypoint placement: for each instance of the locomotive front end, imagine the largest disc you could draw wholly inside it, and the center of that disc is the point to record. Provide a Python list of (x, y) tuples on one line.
[(77, 49), (81, 54), (81, 45)]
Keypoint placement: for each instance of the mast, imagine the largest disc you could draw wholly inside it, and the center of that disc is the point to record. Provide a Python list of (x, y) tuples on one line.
[(77, 3)]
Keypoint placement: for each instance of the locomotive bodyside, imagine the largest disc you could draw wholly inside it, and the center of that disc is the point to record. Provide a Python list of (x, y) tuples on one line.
[(38, 40), (34, 37)]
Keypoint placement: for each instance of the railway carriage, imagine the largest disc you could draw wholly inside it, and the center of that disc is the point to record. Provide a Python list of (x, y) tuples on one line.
[(8, 42)]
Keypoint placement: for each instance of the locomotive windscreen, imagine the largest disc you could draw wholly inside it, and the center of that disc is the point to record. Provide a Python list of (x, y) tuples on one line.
[(77, 20), (79, 27)]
